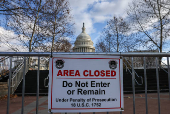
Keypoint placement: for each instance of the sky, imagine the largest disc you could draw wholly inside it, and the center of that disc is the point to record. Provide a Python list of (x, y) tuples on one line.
[(95, 14)]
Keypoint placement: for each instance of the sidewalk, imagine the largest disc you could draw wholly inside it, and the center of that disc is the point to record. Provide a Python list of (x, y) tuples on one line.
[(30, 104)]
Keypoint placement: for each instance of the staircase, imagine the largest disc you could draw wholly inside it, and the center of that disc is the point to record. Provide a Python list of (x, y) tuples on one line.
[(17, 68), (31, 82)]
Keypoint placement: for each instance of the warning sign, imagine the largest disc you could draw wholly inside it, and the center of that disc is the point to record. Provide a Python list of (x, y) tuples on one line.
[(85, 83)]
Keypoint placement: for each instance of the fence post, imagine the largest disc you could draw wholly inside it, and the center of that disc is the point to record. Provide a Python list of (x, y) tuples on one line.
[(23, 86), (168, 75), (157, 79), (133, 86), (37, 100), (9, 85), (146, 97)]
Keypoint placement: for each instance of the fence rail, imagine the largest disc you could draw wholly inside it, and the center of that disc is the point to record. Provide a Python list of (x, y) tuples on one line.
[(47, 54)]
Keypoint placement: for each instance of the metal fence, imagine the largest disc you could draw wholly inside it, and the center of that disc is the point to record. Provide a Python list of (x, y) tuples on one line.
[(17, 75), (132, 55)]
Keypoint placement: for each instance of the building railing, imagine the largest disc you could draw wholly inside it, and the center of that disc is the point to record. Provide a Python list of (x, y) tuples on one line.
[(5, 64), (48, 54), (17, 75), (141, 79)]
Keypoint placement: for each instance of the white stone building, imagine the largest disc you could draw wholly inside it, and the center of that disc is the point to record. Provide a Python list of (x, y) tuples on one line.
[(83, 42)]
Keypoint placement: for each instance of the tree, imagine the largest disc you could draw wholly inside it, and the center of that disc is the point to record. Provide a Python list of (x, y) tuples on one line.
[(101, 46), (25, 21), (11, 7), (38, 21), (61, 45), (114, 36), (59, 21), (151, 18)]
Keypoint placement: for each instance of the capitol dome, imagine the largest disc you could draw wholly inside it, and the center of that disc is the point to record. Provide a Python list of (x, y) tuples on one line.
[(83, 42)]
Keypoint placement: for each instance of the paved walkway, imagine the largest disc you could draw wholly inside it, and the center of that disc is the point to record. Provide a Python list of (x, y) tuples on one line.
[(30, 104)]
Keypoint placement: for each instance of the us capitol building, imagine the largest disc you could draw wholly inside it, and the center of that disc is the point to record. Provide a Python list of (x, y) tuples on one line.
[(83, 42)]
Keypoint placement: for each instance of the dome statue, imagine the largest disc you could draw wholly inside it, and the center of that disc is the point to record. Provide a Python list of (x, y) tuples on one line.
[(83, 42)]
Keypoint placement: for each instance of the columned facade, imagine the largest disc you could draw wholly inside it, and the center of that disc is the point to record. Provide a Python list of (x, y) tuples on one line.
[(83, 43)]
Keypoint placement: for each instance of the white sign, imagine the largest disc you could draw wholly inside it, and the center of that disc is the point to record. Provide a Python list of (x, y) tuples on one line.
[(85, 83)]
